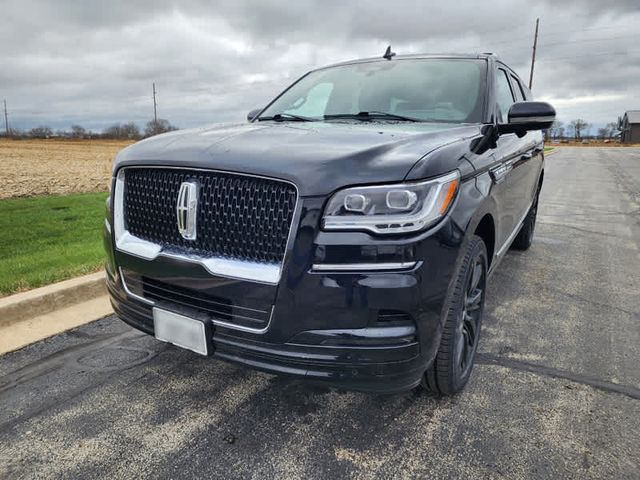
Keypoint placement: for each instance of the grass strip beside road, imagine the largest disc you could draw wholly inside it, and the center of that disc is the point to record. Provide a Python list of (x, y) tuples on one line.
[(48, 239)]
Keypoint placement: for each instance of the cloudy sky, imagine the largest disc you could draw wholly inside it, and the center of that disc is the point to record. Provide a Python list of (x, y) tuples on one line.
[(93, 62)]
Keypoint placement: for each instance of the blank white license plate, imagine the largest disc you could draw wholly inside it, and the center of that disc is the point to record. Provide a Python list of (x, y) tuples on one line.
[(181, 331)]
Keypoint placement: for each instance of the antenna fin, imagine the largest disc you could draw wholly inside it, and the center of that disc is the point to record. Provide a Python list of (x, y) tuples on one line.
[(389, 54)]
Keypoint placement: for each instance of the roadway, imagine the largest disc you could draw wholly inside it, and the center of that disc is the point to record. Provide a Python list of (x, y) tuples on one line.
[(555, 393)]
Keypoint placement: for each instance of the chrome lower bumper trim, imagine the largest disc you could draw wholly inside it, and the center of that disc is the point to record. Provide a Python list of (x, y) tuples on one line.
[(130, 293), (219, 323), (351, 267)]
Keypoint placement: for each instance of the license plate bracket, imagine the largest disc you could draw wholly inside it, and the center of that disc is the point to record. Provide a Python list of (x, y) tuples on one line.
[(183, 331)]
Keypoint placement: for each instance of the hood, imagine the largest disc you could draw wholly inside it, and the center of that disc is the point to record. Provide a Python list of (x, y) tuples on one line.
[(318, 157)]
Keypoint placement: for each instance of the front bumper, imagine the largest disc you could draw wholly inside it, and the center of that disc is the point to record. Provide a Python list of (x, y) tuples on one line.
[(373, 331)]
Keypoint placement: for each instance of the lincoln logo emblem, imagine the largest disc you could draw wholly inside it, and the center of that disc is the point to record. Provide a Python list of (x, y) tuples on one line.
[(187, 209)]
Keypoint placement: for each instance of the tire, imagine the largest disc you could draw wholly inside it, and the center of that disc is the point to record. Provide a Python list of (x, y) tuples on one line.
[(454, 360), (525, 237)]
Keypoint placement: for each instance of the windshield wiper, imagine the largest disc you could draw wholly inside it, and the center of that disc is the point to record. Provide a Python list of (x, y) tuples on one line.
[(371, 115), (281, 117)]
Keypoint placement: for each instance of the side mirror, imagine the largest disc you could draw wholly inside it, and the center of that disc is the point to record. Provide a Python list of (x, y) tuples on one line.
[(253, 114), (525, 116)]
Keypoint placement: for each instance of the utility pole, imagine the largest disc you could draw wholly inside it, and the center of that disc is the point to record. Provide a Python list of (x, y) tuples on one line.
[(6, 118), (533, 54), (155, 112)]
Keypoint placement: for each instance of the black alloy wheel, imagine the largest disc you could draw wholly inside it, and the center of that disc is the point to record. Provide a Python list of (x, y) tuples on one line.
[(471, 316), (454, 361)]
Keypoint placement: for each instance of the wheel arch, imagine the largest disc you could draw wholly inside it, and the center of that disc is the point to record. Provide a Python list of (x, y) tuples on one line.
[(481, 218), (486, 230)]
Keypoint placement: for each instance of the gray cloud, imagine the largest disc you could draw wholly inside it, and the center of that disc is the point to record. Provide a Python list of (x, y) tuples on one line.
[(93, 63)]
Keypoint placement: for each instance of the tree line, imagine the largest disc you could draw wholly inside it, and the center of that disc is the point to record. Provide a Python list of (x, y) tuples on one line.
[(579, 129), (120, 131)]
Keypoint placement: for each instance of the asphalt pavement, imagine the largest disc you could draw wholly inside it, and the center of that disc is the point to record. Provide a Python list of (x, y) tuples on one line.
[(555, 393)]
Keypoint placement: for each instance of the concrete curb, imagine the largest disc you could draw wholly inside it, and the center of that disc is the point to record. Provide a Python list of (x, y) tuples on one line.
[(27, 305)]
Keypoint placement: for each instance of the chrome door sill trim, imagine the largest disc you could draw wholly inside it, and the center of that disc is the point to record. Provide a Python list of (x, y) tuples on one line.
[(513, 234)]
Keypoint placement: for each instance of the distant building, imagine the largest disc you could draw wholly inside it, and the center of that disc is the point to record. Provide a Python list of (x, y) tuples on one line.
[(630, 127)]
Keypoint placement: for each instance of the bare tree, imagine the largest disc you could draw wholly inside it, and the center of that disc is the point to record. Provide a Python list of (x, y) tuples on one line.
[(613, 128), (42, 131), (157, 127), (130, 130), (557, 129), (126, 130), (78, 131), (13, 133), (112, 131), (579, 127)]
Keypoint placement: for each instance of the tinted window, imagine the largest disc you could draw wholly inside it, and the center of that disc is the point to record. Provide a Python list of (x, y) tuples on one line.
[(448, 90), (520, 96), (504, 96)]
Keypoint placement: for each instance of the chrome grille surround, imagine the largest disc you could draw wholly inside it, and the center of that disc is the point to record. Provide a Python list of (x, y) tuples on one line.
[(265, 269)]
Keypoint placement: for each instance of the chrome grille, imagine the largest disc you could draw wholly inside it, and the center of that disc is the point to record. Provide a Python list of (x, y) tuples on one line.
[(239, 216)]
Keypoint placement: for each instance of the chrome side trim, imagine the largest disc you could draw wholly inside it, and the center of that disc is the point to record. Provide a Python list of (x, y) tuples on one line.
[(269, 273), (219, 323), (513, 234), (107, 225), (499, 172), (351, 267)]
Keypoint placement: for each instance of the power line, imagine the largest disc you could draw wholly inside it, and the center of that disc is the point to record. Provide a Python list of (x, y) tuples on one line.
[(564, 59), (524, 39), (582, 40)]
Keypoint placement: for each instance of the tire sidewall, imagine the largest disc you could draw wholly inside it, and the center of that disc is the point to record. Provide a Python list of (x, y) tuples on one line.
[(448, 377)]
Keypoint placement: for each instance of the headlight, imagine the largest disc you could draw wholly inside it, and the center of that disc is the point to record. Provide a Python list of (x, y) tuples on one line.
[(399, 208)]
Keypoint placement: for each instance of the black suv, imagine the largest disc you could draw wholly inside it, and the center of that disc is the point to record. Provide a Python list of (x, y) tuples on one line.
[(345, 233)]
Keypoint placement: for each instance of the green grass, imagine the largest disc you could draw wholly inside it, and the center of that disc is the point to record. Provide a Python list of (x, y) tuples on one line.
[(47, 239), (548, 149)]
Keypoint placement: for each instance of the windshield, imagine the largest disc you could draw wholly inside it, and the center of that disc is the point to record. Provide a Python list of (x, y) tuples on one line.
[(435, 90)]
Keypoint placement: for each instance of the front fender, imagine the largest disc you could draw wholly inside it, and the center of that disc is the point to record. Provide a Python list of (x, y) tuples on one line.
[(475, 202)]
